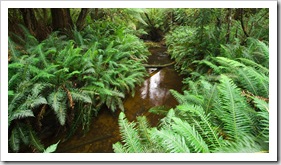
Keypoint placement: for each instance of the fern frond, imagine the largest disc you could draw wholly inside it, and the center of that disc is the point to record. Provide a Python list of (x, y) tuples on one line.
[(143, 127), (12, 47), (159, 110), (130, 136), (38, 88), (35, 141), (81, 96), (119, 148), (194, 139), (259, 80), (57, 101), (232, 64), (234, 109), (172, 142), (206, 126), (244, 145), (14, 140), (21, 113), (23, 133), (179, 97), (209, 97), (255, 65), (38, 101), (263, 119)]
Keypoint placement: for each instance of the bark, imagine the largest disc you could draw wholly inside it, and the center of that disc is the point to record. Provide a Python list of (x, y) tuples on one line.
[(241, 11), (80, 23), (61, 19), (228, 25), (29, 19)]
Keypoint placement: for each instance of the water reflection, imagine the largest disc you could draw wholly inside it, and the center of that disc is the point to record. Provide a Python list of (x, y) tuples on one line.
[(153, 91)]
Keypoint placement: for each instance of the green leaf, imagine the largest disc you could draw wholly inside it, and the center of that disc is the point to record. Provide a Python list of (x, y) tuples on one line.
[(35, 141), (14, 140), (51, 148)]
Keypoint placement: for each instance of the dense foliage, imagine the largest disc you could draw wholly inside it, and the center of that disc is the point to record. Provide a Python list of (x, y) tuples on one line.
[(68, 78), (225, 105), (67, 64)]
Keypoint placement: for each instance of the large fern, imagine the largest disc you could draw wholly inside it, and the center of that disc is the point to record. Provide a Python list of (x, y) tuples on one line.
[(236, 123), (130, 136)]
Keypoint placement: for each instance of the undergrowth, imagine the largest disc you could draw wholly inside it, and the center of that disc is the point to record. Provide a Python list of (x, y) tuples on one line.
[(71, 76)]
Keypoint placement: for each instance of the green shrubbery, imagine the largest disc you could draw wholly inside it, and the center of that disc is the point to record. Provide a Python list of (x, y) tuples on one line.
[(225, 105), (70, 77)]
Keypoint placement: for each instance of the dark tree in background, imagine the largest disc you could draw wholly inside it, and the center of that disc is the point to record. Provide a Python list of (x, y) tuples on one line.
[(29, 19), (40, 22), (61, 19), (80, 23)]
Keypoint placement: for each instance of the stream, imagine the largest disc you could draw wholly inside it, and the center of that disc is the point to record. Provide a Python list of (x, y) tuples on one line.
[(154, 91)]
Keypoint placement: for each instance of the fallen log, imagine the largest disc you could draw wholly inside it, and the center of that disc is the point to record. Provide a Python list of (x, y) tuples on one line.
[(159, 66)]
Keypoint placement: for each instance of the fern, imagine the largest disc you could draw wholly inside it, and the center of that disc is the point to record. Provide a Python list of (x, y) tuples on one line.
[(81, 96), (129, 134), (35, 141), (57, 101), (143, 128), (14, 140), (234, 106), (21, 113), (170, 141), (23, 133), (119, 148), (192, 136), (263, 115), (205, 125)]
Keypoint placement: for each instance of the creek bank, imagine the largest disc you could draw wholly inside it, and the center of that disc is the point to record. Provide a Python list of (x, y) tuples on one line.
[(154, 91)]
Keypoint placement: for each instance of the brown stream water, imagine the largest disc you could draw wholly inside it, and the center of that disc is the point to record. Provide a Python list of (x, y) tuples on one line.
[(104, 130)]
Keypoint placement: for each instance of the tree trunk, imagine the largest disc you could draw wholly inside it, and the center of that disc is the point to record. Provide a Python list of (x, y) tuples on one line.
[(228, 25), (241, 11), (29, 19), (61, 19), (81, 19)]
